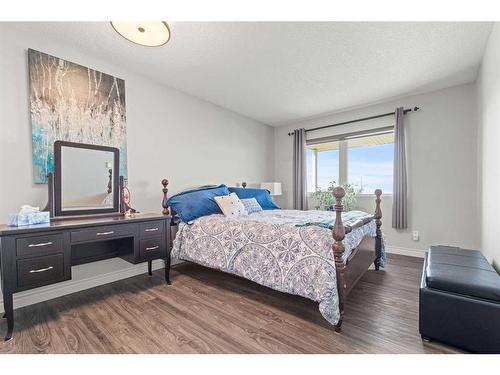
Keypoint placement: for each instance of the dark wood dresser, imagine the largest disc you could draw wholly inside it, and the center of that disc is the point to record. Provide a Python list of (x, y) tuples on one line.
[(34, 256)]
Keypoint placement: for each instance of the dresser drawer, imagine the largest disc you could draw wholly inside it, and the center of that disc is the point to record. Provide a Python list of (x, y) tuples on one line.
[(102, 233), (40, 271), (152, 229), (152, 248), (39, 245)]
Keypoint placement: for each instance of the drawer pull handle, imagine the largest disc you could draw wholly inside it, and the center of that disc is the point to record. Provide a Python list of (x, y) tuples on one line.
[(105, 233), (40, 244), (152, 248), (152, 229), (41, 270)]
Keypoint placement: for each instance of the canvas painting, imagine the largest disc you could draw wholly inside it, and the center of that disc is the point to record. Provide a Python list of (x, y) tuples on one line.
[(70, 102)]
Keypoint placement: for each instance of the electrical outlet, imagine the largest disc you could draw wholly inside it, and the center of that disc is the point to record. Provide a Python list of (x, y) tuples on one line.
[(415, 235)]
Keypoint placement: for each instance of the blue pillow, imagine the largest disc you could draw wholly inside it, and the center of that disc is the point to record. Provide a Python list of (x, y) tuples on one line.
[(195, 203), (251, 205), (261, 195)]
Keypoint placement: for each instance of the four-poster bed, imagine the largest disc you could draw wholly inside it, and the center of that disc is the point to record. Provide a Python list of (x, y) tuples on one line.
[(197, 241)]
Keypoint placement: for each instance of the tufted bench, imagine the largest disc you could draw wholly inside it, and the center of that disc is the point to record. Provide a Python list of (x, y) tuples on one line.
[(460, 300)]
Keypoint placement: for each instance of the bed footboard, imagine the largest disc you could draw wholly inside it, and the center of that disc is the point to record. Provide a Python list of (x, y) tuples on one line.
[(369, 251)]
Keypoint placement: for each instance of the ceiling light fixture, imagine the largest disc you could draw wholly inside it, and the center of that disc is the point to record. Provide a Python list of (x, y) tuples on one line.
[(144, 33)]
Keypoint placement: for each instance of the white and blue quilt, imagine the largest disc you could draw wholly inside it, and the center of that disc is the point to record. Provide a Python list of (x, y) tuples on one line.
[(286, 250)]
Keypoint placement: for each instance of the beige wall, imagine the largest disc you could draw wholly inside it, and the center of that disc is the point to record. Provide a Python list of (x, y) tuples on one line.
[(442, 167), (170, 134), (488, 86)]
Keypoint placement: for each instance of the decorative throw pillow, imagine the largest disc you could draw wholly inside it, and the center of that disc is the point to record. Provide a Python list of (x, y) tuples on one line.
[(192, 204), (251, 205), (261, 195), (231, 205)]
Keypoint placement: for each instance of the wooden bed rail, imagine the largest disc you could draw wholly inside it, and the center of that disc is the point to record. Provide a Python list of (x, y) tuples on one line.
[(338, 232)]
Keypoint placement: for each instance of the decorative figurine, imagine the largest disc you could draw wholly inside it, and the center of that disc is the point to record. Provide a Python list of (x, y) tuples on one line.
[(126, 199)]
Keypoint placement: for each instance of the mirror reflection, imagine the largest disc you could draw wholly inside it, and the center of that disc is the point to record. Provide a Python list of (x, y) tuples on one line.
[(87, 179)]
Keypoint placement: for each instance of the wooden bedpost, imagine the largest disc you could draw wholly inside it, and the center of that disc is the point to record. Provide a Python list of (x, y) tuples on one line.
[(338, 232), (378, 223), (166, 209)]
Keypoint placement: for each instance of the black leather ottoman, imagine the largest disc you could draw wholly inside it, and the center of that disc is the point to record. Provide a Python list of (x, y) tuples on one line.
[(460, 300)]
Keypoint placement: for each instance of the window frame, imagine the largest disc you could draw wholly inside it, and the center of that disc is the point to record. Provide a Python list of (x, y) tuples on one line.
[(343, 140)]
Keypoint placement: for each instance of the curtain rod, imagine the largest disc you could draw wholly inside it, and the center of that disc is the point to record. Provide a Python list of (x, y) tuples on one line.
[(405, 111)]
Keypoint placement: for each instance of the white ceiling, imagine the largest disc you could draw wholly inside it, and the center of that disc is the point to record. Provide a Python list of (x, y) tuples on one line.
[(279, 72)]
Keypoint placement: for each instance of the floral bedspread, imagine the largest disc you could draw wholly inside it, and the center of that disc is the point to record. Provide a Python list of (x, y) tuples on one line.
[(269, 248)]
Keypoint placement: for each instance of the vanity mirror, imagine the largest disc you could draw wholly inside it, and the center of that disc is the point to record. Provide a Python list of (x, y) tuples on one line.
[(86, 179)]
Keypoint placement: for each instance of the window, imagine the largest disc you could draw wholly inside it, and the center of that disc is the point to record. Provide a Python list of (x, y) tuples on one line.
[(323, 166), (370, 163), (328, 168), (365, 160)]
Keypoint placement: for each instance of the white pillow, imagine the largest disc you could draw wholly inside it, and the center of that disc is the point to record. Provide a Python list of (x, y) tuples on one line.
[(231, 205)]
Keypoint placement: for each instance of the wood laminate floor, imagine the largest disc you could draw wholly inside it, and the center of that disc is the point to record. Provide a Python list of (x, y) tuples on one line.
[(206, 311)]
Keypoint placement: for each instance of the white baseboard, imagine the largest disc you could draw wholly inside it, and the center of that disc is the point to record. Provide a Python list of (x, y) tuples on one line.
[(82, 282), (419, 253)]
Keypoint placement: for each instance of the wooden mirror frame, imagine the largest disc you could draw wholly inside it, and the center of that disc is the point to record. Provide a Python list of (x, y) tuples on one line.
[(58, 211)]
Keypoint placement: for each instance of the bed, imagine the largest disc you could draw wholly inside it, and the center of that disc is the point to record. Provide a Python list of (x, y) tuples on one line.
[(318, 255)]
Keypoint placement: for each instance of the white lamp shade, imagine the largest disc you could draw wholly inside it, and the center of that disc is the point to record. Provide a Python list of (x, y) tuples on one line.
[(273, 187)]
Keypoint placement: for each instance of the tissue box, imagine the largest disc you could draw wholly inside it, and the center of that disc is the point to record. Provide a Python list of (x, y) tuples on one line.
[(31, 218)]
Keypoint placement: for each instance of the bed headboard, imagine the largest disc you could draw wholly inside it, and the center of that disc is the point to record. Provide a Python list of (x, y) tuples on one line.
[(164, 204)]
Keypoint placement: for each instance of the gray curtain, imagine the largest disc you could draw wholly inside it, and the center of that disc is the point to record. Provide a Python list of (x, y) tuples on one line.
[(399, 203), (299, 170)]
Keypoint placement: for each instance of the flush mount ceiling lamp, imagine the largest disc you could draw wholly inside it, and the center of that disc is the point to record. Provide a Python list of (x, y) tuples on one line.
[(144, 33)]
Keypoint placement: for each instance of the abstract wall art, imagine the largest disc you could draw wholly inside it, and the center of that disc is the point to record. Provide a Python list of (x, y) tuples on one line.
[(70, 102)]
